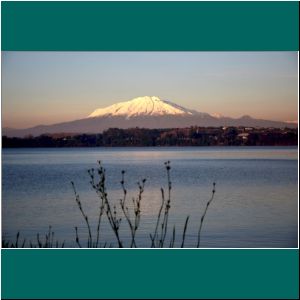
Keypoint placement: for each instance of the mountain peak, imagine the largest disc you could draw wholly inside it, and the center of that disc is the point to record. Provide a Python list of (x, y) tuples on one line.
[(142, 106), (147, 98), (217, 115)]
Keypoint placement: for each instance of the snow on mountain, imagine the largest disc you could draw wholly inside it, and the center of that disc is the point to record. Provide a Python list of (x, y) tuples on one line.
[(217, 115), (142, 106), (143, 112)]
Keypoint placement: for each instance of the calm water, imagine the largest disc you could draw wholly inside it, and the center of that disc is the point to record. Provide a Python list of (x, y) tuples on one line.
[(255, 203)]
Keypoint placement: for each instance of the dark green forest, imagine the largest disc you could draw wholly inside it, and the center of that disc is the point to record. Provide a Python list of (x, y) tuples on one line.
[(141, 137)]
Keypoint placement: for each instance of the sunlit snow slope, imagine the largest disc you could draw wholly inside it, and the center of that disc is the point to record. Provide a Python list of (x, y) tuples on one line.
[(142, 106)]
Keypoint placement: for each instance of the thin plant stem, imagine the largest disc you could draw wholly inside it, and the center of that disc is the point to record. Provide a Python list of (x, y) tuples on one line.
[(83, 214), (158, 218), (204, 214), (184, 231), (77, 238), (173, 239)]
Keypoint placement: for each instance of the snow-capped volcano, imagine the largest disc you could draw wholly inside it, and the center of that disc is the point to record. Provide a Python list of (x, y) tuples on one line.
[(142, 106), (143, 112)]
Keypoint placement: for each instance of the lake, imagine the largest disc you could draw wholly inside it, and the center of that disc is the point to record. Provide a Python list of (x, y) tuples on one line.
[(255, 203)]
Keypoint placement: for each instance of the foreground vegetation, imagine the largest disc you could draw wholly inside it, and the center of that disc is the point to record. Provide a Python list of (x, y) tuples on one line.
[(130, 213), (192, 136)]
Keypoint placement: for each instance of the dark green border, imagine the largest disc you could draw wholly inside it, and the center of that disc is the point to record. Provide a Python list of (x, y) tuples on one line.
[(168, 274), (154, 26)]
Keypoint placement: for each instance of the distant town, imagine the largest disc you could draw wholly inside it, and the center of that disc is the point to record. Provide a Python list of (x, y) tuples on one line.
[(142, 137)]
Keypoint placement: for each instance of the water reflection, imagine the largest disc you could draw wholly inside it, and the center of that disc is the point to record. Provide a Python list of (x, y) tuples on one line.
[(255, 204)]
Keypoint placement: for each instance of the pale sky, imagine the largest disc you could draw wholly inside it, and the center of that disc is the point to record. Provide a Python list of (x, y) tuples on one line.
[(51, 87)]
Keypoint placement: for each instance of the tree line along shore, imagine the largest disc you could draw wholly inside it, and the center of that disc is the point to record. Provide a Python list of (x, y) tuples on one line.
[(142, 137)]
